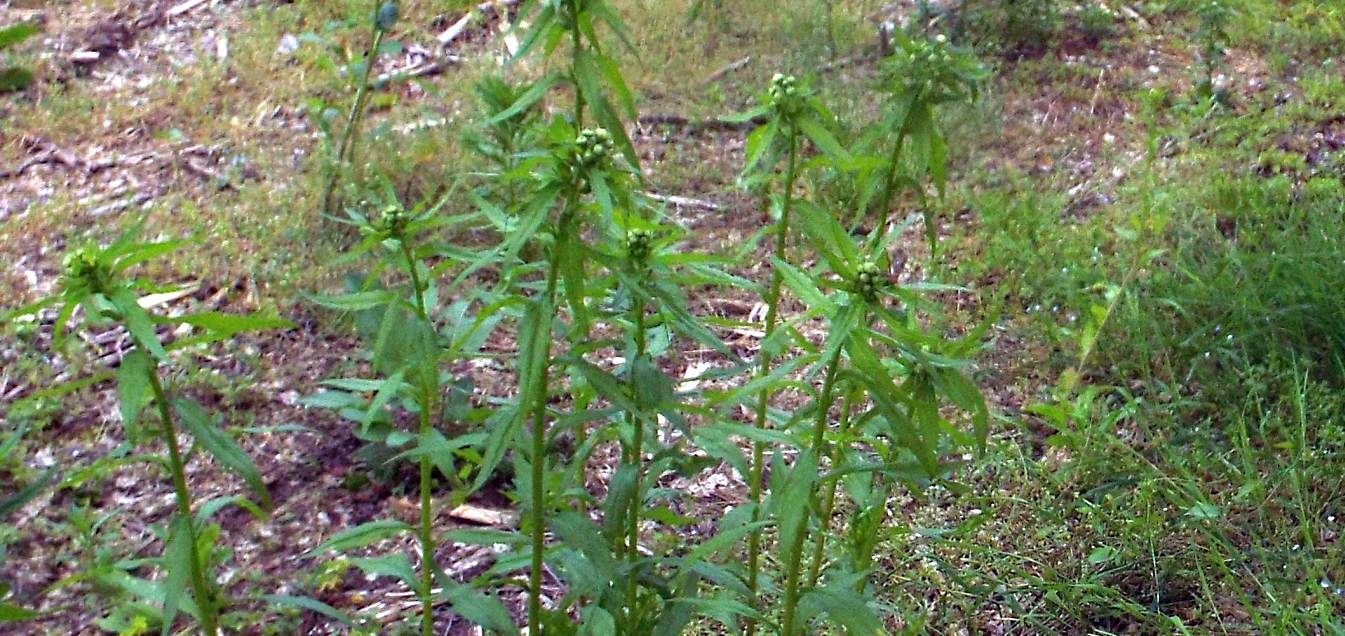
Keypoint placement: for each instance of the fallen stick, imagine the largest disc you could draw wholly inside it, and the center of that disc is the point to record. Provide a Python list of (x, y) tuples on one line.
[(424, 69), (719, 74), (479, 12), (685, 202), (184, 7)]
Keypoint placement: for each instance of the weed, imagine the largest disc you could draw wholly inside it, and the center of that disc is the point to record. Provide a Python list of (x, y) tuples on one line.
[(93, 280)]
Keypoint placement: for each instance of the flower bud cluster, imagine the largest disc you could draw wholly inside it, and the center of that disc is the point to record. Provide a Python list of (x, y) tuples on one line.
[(934, 68), (593, 147), (784, 93), (84, 270), (391, 223), (868, 280), (638, 246)]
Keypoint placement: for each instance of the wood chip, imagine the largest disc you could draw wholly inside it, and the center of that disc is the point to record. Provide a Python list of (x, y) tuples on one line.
[(483, 516)]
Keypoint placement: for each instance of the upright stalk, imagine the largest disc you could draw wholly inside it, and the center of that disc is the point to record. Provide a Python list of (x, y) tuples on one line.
[(795, 566), (764, 368), (636, 455), (205, 601), (890, 182), (829, 503), (426, 469), (352, 121), (539, 432)]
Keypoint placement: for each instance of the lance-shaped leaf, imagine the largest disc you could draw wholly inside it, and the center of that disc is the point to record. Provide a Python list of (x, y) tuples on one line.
[(222, 447)]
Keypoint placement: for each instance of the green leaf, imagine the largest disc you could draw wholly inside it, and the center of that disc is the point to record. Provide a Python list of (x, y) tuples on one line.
[(357, 301), (137, 322), (578, 532), (828, 238), (544, 23), (362, 535), (27, 493), (596, 621), (480, 608), (759, 141), (611, 71), (133, 386), (221, 446), (527, 100), (176, 562), (791, 503), (845, 608), (802, 285), (224, 326), (14, 614), (394, 565), (570, 255), (823, 139), (312, 605)]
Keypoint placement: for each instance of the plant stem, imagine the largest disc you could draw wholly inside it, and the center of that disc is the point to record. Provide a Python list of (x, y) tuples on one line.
[(200, 588), (890, 182), (636, 456), (539, 430), (427, 401), (352, 121), (763, 400), (829, 504), (795, 565)]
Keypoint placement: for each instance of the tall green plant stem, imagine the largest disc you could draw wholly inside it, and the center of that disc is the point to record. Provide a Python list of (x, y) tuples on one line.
[(205, 601), (890, 181), (539, 397), (829, 503), (764, 368), (795, 566), (636, 456), (352, 121), (427, 404)]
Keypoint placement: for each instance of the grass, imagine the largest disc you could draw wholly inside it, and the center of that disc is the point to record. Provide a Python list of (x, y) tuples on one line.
[(1189, 484)]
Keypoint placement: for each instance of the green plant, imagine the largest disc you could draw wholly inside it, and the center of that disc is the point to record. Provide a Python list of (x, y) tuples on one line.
[(384, 17), (94, 280), (15, 78), (1214, 40), (792, 114), (919, 77), (409, 337)]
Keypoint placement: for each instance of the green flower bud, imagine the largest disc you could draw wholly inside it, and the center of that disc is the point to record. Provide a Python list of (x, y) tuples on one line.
[(386, 16)]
